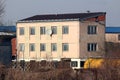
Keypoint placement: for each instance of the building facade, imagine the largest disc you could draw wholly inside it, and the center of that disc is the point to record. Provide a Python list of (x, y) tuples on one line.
[(113, 34), (52, 37)]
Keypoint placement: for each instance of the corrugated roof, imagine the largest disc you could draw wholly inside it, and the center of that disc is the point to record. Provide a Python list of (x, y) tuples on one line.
[(80, 16), (112, 30), (7, 28)]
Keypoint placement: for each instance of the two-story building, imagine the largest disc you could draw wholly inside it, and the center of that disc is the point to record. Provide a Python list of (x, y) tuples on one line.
[(76, 36)]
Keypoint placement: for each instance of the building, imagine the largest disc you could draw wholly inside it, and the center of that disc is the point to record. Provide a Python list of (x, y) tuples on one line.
[(113, 34), (6, 34), (76, 36)]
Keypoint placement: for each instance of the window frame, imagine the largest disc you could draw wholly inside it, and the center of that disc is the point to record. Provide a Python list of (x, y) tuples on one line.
[(21, 47), (53, 47), (65, 47), (74, 63), (21, 31), (54, 29), (32, 30), (32, 47), (42, 47), (92, 47), (65, 30), (42, 30), (92, 29), (82, 63)]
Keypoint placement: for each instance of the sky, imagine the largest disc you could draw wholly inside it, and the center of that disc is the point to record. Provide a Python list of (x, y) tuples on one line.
[(18, 9)]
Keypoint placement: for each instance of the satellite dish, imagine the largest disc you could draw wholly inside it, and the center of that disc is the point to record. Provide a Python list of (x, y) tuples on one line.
[(49, 31)]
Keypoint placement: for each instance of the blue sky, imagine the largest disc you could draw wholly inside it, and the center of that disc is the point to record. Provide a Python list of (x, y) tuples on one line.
[(19, 9)]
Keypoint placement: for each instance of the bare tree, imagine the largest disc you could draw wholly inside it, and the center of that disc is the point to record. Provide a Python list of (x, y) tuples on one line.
[(2, 10)]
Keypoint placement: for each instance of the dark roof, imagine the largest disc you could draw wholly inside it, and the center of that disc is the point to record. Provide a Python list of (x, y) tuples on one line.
[(80, 16), (7, 29), (112, 30)]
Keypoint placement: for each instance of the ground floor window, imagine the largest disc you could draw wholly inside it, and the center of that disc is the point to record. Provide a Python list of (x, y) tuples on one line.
[(82, 63), (74, 64)]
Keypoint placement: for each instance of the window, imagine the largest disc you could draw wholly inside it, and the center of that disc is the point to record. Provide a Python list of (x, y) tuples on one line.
[(82, 63), (92, 46), (32, 47), (119, 37), (42, 30), (74, 63), (54, 29), (42, 47), (65, 30), (21, 47), (65, 47), (32, 31), (21, 31), (54, 46), (92, 30)]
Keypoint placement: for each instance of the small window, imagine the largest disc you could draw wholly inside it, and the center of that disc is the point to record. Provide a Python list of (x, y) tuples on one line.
[(65, 30), (92, 46), (21, 47), (119, 37), (54, 46), (32, 31), (82, 63), (65, 47), (92, 30), (32, 47), (21, 30), (54, 29), (42, 47), (42, 30), (74, 63)]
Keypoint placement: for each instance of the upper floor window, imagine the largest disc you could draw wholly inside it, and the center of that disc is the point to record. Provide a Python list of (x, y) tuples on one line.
[(54, 29), (65, 47), (21, 30), (92, 46), (65, 29), (92, 29), (54, 46), (42, 47), (32, 31), (21, 47), (32, 47), (42, 30)]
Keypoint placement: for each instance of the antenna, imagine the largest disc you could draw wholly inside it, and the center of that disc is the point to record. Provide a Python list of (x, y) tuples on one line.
[(49, 31)]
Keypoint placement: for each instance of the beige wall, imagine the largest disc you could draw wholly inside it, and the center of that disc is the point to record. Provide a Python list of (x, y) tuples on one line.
[(77, 40), (112, 37), (71, 39)]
